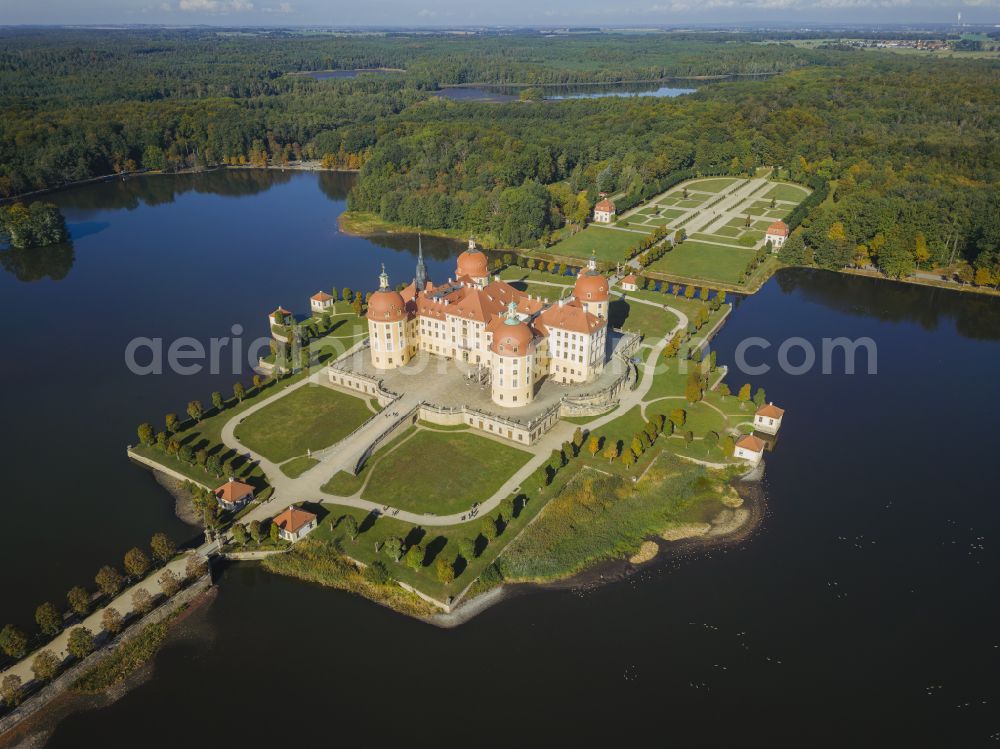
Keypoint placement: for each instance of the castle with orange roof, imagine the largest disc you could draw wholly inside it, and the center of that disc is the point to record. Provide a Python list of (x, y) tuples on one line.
[(518, 340)]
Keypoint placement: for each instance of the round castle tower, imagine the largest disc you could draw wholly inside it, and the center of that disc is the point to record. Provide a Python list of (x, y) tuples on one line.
[(513, 362), (591, 290), (387, 327)]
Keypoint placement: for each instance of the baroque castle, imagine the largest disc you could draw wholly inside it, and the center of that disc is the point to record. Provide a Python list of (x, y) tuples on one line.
[(516, 340)]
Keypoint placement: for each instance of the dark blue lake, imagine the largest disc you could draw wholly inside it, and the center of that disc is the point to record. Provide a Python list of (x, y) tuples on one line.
[(863, 612)]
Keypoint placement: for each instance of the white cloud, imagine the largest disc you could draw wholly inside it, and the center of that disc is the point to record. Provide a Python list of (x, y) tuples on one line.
[(214, 6), (282, 8)]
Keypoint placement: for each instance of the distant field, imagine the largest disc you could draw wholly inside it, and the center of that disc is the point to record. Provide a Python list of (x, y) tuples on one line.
[(705, 261), (607, 244), (787, 192), (710, 185)]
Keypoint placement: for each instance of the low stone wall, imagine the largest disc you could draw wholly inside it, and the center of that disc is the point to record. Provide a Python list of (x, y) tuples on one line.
[(492, 424), (163, 469), (405, 422), (252, 556), (361, 383), (68, 678), (441, 415)]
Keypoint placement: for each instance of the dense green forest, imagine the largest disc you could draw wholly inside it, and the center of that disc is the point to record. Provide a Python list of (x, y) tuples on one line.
[(908, 145)]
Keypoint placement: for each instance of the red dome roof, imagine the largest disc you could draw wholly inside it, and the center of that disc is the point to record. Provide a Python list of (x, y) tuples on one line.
[(386, 306), (512, 340), (591, 287), (472, 263)]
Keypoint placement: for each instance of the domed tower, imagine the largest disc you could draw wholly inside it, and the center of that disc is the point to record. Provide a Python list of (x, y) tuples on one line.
[(390, 347), (513, 349), (591, 290), (473, 263)]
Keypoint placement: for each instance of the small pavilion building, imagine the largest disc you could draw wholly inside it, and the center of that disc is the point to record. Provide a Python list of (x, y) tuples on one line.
[(320, 302), (234, 494), (604, 212), (768, 418), (750, 449), (776, 234), (294, 523)]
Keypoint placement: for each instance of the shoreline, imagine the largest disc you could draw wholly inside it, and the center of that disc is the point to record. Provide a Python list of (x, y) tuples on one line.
[(184, 507), (668, 79), (35, 729), (731, 526), (299, 166)]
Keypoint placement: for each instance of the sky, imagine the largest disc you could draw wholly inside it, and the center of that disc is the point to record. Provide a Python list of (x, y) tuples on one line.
[(414, 13)]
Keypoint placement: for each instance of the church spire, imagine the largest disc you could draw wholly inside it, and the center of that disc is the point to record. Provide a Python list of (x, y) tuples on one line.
[(420, 280)]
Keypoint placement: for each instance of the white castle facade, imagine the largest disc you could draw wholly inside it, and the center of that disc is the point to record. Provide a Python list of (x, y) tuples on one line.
[(518, 340)]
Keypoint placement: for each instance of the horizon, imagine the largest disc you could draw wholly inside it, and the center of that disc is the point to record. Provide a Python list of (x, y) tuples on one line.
[(449, 15)]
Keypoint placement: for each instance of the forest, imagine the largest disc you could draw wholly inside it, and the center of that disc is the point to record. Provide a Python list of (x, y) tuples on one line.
[(907, 146)]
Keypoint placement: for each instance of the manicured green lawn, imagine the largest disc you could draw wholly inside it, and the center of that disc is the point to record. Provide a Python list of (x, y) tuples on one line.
[(707, 262), (312, 417), (609, 245), (787, 192), (442, 472), (207, 435), (297, 466), (516, 273), (637, 317), (711, 185)]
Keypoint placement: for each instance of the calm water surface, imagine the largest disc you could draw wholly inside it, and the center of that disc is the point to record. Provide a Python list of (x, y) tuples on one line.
[(864, 612), (503, 94)]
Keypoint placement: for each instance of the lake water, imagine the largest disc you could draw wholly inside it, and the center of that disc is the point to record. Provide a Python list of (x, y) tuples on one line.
[(503, 94), (863, 612)]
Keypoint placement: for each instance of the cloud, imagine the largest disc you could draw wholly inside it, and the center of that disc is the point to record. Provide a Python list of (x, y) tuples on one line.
[(214, 6), (282, 8)]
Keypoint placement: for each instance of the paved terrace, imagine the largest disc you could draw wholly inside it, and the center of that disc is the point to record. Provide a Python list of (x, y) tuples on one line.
[(446, 382)]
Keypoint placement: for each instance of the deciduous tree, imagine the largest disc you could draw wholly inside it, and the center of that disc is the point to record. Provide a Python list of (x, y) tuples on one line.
[(109, 580), (111, 620), (45, 665), (80, 643), (13, 641), (163, 547), (136, 562), (79, 600)]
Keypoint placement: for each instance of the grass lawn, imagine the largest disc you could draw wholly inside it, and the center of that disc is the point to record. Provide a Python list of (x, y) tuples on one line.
[(312, 417), (439, 464), (706, 262), (297, 466), (516, 273), (207, 435), (714, 186), (637, 317), (792, 193), (609, 245), (436, 541)]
